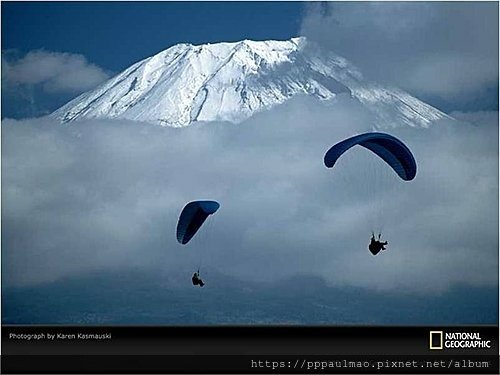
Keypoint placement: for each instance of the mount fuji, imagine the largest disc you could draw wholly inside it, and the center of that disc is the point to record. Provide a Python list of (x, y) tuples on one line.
[(189, 83)]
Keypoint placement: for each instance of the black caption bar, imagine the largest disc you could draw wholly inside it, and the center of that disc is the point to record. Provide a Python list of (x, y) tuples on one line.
[(246, 340), (249, 349), (15, 364)]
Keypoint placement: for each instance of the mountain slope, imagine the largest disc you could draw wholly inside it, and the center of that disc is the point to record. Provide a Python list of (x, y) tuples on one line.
[(135, 297), (232, 81)]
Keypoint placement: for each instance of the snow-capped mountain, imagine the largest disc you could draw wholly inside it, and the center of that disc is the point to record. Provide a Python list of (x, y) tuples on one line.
[(232, 81)]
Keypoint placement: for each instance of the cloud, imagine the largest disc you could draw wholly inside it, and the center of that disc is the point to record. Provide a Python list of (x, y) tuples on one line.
[(448, 50), (106, 195), (52, 71)]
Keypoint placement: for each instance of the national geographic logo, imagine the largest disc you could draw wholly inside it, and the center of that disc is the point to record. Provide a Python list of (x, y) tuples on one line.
[(456, 340), (436, 340)]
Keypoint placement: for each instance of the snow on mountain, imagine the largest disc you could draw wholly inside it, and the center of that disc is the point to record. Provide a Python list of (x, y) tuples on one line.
[(232, 81)]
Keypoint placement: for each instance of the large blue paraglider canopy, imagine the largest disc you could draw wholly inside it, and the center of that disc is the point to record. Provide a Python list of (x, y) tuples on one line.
[(390, 149), (192, 217)]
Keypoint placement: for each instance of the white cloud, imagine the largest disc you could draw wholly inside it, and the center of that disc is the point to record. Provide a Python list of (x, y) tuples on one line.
[(52, 71), (106, 195), (429, 48), (455, 75)]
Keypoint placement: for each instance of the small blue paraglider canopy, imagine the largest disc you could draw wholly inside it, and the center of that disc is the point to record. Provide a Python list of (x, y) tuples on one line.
[(389, 148), (192, 217)]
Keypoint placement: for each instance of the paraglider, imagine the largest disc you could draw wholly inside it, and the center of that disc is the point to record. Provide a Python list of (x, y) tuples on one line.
[(191, 219), (390, 149), (376, 245), (196, 279)]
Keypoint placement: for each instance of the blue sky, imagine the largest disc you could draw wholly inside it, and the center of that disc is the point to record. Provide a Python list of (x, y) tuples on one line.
[(103, 38), (444, 53), (114, 35)]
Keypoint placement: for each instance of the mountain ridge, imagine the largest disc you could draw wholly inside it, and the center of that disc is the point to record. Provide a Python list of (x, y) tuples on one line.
[(231, 81)]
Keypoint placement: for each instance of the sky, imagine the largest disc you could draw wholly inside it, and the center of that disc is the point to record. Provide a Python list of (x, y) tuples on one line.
[(88, 42), (100, 195), (114, 35), (444, 53)]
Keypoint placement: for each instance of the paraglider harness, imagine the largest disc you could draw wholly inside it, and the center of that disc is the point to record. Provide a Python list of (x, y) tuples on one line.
[(196, 279), (376, 245)]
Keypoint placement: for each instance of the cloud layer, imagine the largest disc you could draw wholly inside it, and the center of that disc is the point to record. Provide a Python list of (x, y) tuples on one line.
[(106, 196), (447, 50), (53, 71)]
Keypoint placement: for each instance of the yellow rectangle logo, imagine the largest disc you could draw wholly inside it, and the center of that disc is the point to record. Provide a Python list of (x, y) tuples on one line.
[(436, 340)]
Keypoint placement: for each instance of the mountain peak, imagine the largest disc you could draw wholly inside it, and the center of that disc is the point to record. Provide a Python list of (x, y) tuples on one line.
[(230, 81)]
